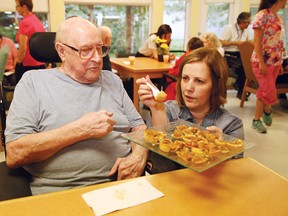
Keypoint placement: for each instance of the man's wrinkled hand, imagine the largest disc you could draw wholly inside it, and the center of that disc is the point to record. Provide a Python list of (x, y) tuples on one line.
[(129, 167), (96, 124)]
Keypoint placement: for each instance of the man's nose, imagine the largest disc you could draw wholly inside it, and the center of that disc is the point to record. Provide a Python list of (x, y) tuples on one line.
[(95, 57)]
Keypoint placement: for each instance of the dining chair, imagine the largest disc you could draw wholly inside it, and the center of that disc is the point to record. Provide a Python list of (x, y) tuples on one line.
[(251, 84)]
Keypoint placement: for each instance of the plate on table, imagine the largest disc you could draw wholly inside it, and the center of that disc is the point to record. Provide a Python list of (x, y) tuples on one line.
[(188, 144)]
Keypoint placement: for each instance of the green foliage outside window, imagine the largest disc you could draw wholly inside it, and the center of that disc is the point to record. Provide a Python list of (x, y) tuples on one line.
[(129, 24)]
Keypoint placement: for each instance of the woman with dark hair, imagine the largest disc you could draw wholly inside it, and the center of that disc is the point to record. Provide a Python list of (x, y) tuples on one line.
[(266, 58), (27, 27), (149, 48), (201, 94)]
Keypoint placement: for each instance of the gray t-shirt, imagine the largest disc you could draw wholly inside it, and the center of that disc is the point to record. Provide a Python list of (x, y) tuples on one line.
[(47, 99)]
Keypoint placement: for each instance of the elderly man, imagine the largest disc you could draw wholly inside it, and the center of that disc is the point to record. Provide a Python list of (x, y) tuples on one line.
[(232, 36), (65, 124)]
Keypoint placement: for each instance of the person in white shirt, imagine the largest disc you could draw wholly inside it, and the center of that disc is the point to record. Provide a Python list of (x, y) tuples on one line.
[(232, 36)]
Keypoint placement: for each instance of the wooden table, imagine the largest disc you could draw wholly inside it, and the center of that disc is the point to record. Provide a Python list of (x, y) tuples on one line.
[(141, 68), (235, 187)]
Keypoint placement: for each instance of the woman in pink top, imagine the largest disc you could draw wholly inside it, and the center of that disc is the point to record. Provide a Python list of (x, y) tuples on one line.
[(28, 26), (267, 58), (12, 54)]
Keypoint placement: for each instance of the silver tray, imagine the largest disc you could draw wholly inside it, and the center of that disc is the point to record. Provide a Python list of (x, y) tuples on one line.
[(138, 138)]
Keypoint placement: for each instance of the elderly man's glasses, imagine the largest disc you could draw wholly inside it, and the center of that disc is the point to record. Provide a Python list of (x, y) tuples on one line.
[(86, 52)]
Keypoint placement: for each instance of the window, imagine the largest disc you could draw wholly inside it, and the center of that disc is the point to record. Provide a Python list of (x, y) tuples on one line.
[(217, 17), (129, 24), (174, 15)]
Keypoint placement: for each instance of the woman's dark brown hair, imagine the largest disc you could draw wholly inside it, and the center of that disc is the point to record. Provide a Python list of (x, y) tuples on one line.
[(218, 71), (28, 3)]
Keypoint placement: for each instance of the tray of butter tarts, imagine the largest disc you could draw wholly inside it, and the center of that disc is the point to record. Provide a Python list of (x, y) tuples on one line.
[(189, 145)]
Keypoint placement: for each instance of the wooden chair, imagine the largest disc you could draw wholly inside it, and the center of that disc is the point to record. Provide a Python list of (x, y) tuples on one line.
[(251, 84)]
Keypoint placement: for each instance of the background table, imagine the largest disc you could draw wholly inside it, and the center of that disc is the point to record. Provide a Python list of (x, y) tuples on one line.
[(142, 67), (235, 187)]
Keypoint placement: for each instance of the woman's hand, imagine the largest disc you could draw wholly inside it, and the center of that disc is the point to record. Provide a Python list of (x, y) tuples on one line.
[(145, 93), (281, 71), (263, 68), (172, 56), (216, 130)]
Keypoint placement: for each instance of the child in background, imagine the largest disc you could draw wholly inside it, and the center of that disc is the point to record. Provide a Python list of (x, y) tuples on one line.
[(266, 59)]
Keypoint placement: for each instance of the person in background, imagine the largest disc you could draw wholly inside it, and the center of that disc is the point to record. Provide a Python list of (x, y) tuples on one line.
[(12, 54), (27, 27), (106, 35), (201, 95), (64, 125), (149, 48), (193, 43), (211, 41), (232, 36), (266, 58)]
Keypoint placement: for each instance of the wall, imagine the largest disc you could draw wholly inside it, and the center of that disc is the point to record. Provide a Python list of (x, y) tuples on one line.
[(38, 5), (57, 13)]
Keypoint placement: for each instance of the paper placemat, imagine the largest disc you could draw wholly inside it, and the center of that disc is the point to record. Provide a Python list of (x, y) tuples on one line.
[(121, 196)]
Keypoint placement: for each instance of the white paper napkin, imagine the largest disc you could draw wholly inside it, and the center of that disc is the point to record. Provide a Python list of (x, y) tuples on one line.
[(121, 196)]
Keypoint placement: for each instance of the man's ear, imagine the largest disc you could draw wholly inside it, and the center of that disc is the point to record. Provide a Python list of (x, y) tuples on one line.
[(60, 50)]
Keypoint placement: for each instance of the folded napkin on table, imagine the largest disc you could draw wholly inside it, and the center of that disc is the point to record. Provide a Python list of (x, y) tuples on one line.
[(121, 196)]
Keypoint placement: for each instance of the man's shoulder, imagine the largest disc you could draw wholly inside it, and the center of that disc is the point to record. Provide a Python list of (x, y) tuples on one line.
[(39, 73)]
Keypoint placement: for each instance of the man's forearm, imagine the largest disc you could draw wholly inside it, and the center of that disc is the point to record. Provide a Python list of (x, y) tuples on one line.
[(38, 147)]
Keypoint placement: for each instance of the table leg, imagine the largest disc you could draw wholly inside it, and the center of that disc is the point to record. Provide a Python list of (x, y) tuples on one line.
[(135, 94)]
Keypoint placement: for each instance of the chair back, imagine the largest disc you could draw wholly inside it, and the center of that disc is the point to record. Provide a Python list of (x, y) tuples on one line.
[(3, 58), (42, 47), (246, 50)]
